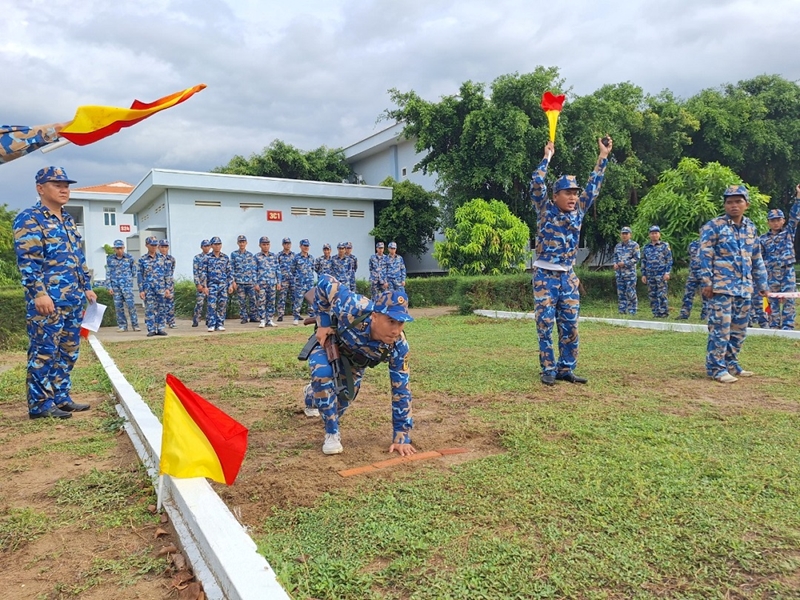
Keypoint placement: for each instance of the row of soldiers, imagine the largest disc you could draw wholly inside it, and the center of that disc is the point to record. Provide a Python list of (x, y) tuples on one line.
[(777, 251)]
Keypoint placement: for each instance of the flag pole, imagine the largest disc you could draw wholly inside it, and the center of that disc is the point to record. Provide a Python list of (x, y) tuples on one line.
[(55, 145), (159, 493)]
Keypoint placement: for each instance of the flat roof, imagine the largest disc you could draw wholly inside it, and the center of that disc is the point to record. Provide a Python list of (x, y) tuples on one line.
[(385, 138), (158, 180)]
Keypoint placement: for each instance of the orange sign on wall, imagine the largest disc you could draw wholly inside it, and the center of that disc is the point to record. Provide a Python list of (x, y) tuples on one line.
[(125, 228), (274, 215)]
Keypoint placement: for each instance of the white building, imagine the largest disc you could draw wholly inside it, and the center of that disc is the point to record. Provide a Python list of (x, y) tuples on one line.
[(186, 207)]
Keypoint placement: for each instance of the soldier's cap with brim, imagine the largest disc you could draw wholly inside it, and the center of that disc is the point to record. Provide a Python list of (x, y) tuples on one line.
[(326, 246), (625, 230), (241, 238), (205, 244), (119, 244), (392, 244), (565, 182), (215, 240), (163, 243), (151, 241), (378, 245), (736, 190), (305, 243), (341, 246), (263, 240), (286, 240), (394, 304), (348, 245), (53, 174), (775, 213), (655, 228)]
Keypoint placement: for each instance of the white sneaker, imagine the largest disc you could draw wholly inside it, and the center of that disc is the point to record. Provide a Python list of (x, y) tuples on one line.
[(221, 328), (333, 444), (210, 329), (271, 323), (310, 411), (726, 378), (262, 324), (297, 322), (744, 373)]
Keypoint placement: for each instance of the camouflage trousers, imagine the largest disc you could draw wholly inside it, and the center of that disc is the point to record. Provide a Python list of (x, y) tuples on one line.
[(286, 291), (352, 283), (556, 300), (248, 302), (657, 293), (265, 298), (727, 327), (693, 287), (52, 352), (123, 297), (155, 311), (298, 289), (627, 300), (757, 317), (375, 290), (217, 304), (781, 278), (169, 307), (323, 389), (199, 300), (395, 285)]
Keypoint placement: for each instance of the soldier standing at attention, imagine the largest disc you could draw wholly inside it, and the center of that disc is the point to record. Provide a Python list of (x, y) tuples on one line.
[(285, 260), (340, 264), (353, 265), (302, 279), (656, 267), (218, 278), (56, 281), (693, 283), (777, 246), (555, 286), (268, 279), (395, 269), (377, 272), (626, 258), (120, 273), (169, 263), (154, 288), (244, 281), (732, 271), (198, 272), (323, 265)]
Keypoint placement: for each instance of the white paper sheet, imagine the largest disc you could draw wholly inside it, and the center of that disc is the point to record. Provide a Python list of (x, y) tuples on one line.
[(93, 316)]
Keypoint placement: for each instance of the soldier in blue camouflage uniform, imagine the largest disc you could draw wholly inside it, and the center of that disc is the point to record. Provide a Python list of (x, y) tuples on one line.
[(656, 268), (120, 273), (777, 246), (154, 281), (555, 285), (323, 265), (268, 280), (395, 269), (377, 272), (368, 334), (693, 283), (198, 272), (302, 279), (348, 252), (340, 264), (244, 281), (285, 260), (169, 264), (732, 271), (626, 259), (18, 140), (56, 281), (218, 276)]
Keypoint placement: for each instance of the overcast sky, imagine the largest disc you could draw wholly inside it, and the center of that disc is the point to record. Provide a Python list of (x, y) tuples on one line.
[(314, 72)]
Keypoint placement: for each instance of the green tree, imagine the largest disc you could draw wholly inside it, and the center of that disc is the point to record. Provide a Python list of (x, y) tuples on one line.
[(487, 239), (9, 275), (284, 160), (687, 197), (410, 218)]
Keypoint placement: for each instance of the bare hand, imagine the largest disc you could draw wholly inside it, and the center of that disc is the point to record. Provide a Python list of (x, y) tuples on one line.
[(141, 295), (278, 287), (402, 449), (323, 333), (644, 279), (797, 190), (44, 305), (763, 293), (707, 292), (666, 276), (605, 151), (92, 297), (233, 287), (549, 150), (230, 289), (167, 294)]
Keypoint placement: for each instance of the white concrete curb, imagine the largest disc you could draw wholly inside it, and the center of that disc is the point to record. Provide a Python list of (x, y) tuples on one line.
[(658, 325), (223, 556)]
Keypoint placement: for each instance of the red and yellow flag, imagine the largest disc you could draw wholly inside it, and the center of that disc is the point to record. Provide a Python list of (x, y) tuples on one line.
[(199, 440), (93, 123), (551, 105), (766, 305)]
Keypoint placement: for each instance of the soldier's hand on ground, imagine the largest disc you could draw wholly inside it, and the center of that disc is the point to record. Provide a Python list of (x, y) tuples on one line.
[(402, 449), (605, 151), (549, 150), (707, 292), (323, 333), (666, 276), (44, 305), (92, 297), (141, 295)]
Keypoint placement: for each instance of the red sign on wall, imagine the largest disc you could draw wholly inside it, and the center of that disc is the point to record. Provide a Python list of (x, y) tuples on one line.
[(125, 228), (274, 215)]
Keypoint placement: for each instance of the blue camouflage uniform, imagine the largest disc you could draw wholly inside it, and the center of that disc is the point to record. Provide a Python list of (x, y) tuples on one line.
[(244, 276), (657, 262), (395, 270), (555, 286), (377, 273), (268, 277), (153, 278), (353, 266), (302, 280), (169, 265), (693, 284), (198, 274), (18, 140), (120, 273), (779, 258), (731, 264), (322, 265), (340, 265), (628, 254), (285, 260), (52, 263), (219, 278), (350, 314)]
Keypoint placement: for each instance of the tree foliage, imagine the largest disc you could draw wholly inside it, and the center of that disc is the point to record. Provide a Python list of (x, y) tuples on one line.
[(410, 218), (9, 274), (685, 198), (284, 160), (487, 239)]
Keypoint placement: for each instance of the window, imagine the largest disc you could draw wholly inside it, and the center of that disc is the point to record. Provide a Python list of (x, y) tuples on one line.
[(404, 171), (110, 216)]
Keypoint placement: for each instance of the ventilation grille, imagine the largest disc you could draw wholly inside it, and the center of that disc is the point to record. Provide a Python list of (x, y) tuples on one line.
[(248, 205), (212, 203), (302, 211)]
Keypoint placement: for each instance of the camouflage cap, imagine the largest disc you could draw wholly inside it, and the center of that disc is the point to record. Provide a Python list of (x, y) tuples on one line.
[(736, 190), (53, 174), (205, 243), (625, 230), (241, 238), (287, 240), (341, 246), (326, 246), (349, 245), (395, 304), (775, 213), (151, 241), (215, 240), (392, 244), (263, 240), (305, 242), (378, 245), (163, 243), (119, 244), (655, 228), (566, 182)]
